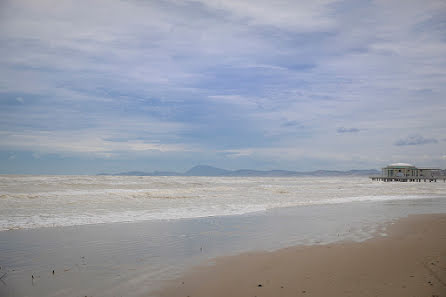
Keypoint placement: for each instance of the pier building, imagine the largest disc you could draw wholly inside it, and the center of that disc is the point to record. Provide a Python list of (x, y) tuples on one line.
[(404, 172)]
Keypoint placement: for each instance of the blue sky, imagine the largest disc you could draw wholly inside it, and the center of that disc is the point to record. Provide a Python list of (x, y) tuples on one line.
[(94, 86)]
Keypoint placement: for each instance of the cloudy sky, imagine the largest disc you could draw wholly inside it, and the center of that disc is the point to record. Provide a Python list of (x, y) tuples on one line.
[(109, 86)]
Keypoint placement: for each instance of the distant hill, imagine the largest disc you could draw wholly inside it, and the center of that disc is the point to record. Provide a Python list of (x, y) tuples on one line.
[(344, 173), (206, 170), (141, 173), (272, 173)]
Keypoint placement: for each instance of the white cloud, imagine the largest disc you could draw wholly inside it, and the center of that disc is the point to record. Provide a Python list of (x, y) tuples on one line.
[(322, 64), (80, 142), (237, 100), (347, 130), (415, 140), (297, 15)]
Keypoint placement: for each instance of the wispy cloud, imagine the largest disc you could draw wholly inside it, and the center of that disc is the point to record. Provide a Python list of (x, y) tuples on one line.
[(347, 130), (415, 140), (292, 124), (87, 142), (224, 76)]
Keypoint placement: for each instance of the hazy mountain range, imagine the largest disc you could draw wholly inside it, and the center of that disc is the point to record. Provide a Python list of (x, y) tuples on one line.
[(205, 170)]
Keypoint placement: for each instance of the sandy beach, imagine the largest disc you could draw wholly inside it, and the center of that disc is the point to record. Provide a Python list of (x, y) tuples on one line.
[(409, 261), (322, 249)]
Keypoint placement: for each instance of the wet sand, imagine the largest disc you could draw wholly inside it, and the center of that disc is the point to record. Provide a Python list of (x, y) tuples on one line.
[(410, 261), (137, 259)]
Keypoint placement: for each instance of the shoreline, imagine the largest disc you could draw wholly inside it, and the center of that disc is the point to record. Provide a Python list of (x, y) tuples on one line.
[(332, 202), (31, 203), (409, 261), (138, 259)]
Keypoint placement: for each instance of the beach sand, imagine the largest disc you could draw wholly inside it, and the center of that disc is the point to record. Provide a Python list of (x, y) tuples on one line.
[(409, 261), (141, 258)]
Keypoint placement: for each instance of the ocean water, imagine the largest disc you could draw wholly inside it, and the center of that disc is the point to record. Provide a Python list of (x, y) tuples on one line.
[(130, 236), (52, 201)]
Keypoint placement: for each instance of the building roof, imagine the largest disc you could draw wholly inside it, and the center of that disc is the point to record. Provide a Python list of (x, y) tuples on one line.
[(400, 165), (428, 168)]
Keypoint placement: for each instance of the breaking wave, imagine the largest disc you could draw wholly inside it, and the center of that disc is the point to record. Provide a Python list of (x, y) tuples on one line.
[(51, 201)]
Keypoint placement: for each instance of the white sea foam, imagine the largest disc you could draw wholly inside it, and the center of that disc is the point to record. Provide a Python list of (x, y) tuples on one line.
[(46, 201)]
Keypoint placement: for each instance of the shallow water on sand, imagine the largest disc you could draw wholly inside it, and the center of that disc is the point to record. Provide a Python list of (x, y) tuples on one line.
[(133, 259)]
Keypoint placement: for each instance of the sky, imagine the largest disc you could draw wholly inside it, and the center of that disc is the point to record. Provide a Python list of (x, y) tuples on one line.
[(111, 86)]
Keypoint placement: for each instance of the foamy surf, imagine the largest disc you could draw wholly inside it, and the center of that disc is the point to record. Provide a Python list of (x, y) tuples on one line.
[(53, 201)]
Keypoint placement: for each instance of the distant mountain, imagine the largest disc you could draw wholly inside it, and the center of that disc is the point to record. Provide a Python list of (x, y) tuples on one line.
[(344, 173), (141, 173), (135, 173), (279, 173), (363, 172), (271, 173), (165, 173), (206, 170)]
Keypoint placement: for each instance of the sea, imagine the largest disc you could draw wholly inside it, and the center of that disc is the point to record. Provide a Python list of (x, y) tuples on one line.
[(28, 201), (131, 236)]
